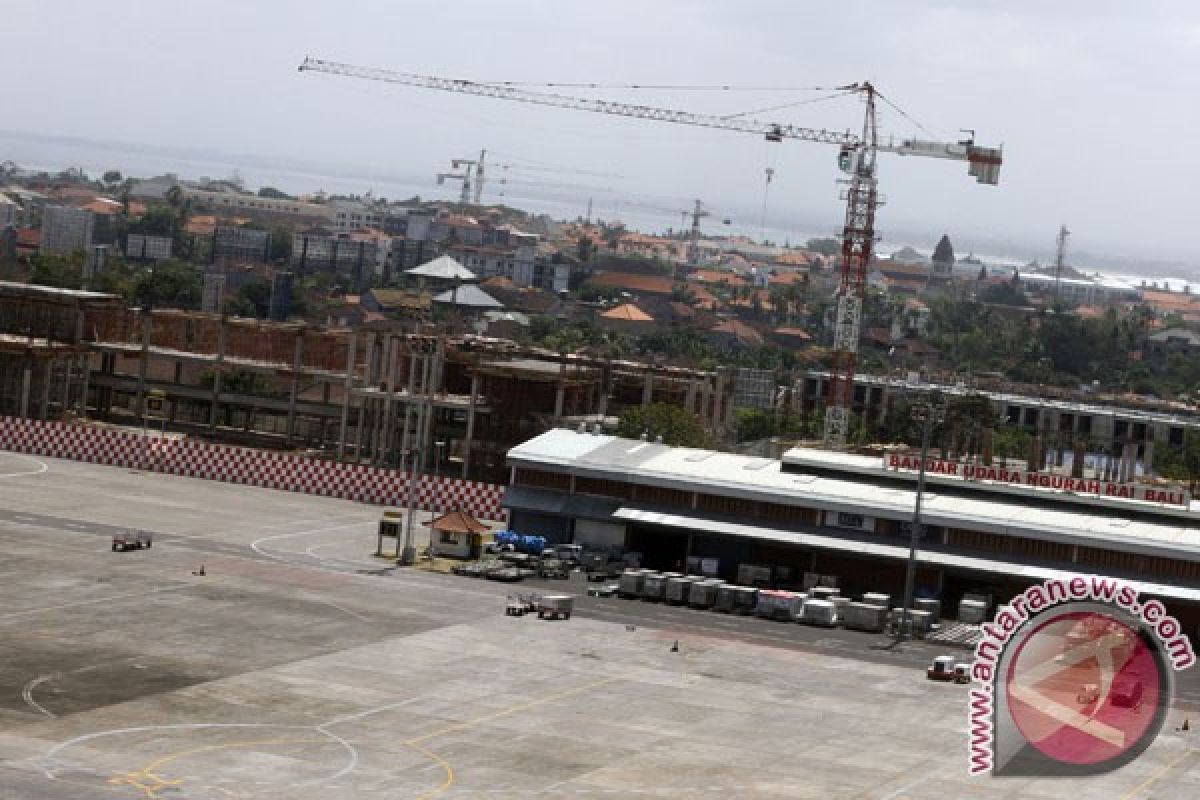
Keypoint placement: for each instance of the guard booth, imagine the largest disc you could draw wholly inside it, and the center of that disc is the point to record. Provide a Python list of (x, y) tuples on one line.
[(457, 535)]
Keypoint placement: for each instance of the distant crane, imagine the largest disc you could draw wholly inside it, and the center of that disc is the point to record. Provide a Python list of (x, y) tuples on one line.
[(1060, 257), (471, 175), (856, 158), (474, 175), (697, 214)]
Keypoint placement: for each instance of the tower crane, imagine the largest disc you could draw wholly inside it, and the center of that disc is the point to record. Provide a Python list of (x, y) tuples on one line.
[(472, 174), (856, 158)]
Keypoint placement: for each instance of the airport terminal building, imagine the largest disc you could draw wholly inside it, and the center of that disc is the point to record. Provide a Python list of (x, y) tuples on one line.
[(994, 529)]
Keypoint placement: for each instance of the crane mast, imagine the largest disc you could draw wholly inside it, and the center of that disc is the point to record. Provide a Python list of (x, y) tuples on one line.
[(858, 239), (857, 158)]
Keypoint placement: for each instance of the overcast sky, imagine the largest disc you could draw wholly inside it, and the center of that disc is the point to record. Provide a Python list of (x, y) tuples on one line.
[(1094, 102)]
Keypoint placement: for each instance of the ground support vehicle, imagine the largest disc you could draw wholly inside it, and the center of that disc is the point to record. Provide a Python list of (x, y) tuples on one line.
[(132, 540), (555, 606)]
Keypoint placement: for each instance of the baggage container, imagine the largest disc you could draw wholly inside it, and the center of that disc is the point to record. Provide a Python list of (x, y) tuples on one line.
[(819, 612), (631, 583), (930, 604), (654, 586), (745, 599), (724, 599), (865, 617), (972, 612), (679, 588), (779, 605), (824, 592), (840, 603), (922, 622), (703, 594), (878, 599)]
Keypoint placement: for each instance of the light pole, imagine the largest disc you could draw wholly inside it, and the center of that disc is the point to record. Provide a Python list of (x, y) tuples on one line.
[(408, 555), (929, 415)]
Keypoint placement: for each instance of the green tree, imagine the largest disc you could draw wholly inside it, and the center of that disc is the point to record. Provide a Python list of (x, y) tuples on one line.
[(585, 248), (62, 270), (677, 427), (117, 277), (170, 284), (1003, 294), (1182, 464), (157, 221), (252, 299)]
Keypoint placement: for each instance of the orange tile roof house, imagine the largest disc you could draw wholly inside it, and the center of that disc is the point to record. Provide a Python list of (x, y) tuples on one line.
[(631, 282), (735, 333), (717, 276), (628, 313), (626, 318)]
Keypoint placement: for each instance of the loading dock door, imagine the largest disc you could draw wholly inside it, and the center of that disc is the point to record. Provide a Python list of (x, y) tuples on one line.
[(599, 535)]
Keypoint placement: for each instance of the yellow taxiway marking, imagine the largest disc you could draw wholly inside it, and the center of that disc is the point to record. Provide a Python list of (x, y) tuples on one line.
[(151, 783), (416, 742), (1156, 777)]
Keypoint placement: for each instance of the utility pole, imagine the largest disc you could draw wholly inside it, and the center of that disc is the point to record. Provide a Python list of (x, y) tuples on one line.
[(929, 415)]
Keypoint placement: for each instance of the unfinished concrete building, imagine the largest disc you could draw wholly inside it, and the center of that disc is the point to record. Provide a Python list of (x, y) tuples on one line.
[(454, 403), (44, 347)]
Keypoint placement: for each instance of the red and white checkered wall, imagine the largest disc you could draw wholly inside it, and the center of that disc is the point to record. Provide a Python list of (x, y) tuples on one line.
[(244, 465)]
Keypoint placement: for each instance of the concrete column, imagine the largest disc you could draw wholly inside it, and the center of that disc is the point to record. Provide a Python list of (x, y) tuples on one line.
[(470, 437), (648, 389), (718, 398), (728, 423), (560, 397), (26, 379), (359, 429), (423, 423), (689, 402), (1079, 450), (44, 411), (143, 364), (347, 390), (1148, 456), (605, 391), (85, 367), (390, 350), (294, 389), (215, 396), (66, 387), (410, 392)]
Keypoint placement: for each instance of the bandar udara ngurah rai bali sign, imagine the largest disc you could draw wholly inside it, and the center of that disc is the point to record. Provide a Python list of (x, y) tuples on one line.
[(1009, 476)]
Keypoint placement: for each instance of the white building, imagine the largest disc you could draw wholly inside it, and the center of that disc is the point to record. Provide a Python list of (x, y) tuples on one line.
[(233, 202), (354, 215), (1095, 291)]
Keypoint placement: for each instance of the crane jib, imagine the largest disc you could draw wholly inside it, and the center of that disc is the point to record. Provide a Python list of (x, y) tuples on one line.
[(856, 159)]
